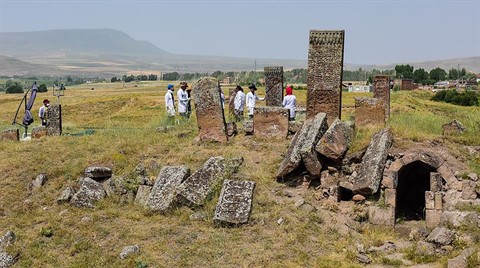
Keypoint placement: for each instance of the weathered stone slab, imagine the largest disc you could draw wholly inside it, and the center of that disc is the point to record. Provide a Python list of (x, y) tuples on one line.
[(143, 193), (66, 195), (89, 192), (433, 218), (166, 186), (441, 236), (235, 202), (98, 173), (7, 260), (209, 111), (38, 132), (271, 122), (390, 179), (468, 189), (10, 135), (438, 201), (381, 91), (334, 143), (197, 188), (461, 261), (373, 164), (294, 126), (429, 200), (391, 197), (435, 182), (369, 111), (381, 216), (273, 85), (324, 77), (54, 120), (302, 148), (7, 240)]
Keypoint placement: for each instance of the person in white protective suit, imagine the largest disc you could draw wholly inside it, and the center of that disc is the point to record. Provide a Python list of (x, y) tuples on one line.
[(252, 99)]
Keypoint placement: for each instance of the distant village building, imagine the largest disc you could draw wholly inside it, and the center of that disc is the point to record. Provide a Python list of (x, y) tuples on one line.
[(359, 88), (228, 80)]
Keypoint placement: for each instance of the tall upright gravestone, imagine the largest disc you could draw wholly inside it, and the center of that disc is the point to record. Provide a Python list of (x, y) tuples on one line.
[(324, 77), (54, 120), (273, 85), (381, 91), (209, 111)]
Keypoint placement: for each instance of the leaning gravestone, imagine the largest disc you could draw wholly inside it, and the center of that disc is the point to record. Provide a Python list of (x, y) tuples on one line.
[(381, 91), (235, 202), (209, 111), (324, 77), (335, 141), (371, 169), (54, 120), (271, 122), (164, 190), (273, 85), (197, 188)]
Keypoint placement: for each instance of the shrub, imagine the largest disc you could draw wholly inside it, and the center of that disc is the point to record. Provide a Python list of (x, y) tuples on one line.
[(42, 88), (468, 98), (12, 89)]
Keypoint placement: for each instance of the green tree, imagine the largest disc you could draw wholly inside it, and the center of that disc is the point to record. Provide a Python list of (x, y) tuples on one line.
[(438, 74), (420, 76), (404, 71), (114, 79), (42, 88), (452, 74), (14, 88)]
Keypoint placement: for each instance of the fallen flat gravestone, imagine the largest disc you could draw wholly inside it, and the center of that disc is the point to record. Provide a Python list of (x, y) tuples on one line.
[(164, 190), (235, 202), (197, 188)]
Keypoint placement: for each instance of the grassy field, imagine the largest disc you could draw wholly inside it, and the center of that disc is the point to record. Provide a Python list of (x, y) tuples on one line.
[(125, 121)]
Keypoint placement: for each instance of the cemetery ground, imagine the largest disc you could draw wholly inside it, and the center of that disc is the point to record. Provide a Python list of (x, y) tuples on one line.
[(125, 121)]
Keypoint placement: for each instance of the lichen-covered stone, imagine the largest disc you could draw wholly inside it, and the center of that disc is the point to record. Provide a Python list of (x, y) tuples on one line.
[(6, 260), (271, 122), (209, 111), (39, 181), (324, 78), (166, 186), (89, 192), (235, 202), (373, 163), (143, 192), (7, 240), (273, 85), (441, 236), (334, 143), (129, 250), (294, 126), (66, 195), (54, 120), (98, 173), (197, 188)]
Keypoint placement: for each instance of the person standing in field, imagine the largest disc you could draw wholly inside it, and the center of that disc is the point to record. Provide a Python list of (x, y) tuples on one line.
[(252, 99), (42, 112), (170, 104), (290, 102), (239, 104), (183, 100)]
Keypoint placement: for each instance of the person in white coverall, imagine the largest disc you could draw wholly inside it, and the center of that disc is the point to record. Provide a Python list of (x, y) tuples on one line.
[(239, 104), (170, 104), (252, 99), (290, 102), (183, 100)]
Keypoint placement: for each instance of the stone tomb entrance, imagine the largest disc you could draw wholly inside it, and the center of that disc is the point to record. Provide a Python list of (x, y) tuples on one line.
[(413, 182)]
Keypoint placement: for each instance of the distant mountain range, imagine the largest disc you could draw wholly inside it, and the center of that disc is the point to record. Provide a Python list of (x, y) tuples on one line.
[(106, 52)]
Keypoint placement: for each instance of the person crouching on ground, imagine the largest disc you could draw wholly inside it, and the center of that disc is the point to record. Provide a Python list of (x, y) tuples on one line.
[(239, 104), (290, 102), (251, 100), (42, 112), (170, 104), (183, 100)]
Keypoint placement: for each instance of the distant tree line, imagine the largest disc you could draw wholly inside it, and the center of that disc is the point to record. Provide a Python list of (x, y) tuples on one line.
[(130, 78), (420, 76), (467, 98)]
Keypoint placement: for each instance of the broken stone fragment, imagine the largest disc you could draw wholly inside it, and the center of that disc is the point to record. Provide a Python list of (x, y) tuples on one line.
[(165, 189), (89, 192), (235, 203), (425, 249), (453, 127), (371, 169), (334, 143), (231, 129), (98, 173), (7, 260), (129, 250), (66, 195), (7, 240), (197, 188), (248, 127), (39, 181), (441, 236), (142, 194)]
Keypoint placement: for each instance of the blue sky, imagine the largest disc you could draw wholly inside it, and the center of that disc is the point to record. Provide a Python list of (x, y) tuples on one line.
[(376, 32)]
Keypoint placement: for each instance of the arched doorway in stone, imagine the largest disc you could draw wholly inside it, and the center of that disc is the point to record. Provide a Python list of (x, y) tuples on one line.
[(413, 182)]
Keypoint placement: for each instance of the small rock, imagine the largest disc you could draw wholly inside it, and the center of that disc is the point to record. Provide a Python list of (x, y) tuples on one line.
[(425, 249), (362, 258), (358, 198), (7, 240), (473, 176), (360, 248), (63, 212), (386, 247), (418, 233), (86, 219), (299, 203), (98, 173), (441, 236), (128, 250), (198, 216), (7, 260), (38, 182), (66, 195), (280, 221)]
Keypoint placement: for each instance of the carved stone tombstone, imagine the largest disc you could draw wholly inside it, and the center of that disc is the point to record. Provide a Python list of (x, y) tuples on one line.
[(324, 75), (235, 202), (209, 111), (54, 120), (271, 122), (231, 101), (381, 91), (369, 111), (273, 85)]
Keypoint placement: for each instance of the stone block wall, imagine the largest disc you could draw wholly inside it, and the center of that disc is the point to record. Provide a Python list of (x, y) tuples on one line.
[(324, 75), (273, 85)]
